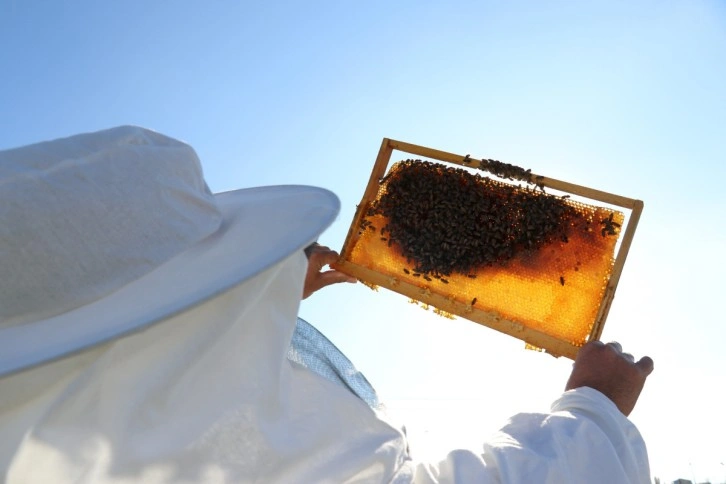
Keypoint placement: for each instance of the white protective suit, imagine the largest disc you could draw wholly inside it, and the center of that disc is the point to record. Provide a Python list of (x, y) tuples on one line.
[(208, 395), (168, 361)]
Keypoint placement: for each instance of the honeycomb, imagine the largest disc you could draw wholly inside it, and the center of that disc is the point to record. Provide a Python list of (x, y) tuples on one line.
[(528, 257)]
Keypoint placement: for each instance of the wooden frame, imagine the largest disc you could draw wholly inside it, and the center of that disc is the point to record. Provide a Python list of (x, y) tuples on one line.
[(493, 320)]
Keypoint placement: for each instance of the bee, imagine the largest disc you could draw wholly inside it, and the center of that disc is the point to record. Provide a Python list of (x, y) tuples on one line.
[(406, 271), (562, 281), (473, 301), (609, 227)]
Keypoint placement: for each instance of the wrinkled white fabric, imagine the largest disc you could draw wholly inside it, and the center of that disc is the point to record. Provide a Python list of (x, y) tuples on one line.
[(585, 439), (209, 396), (206, 396)]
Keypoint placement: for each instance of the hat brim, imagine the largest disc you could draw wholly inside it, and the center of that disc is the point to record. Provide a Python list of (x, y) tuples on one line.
[(261, 226)]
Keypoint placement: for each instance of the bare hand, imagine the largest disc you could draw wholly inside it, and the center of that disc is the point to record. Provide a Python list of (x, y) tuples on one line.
[(318, 257), (613, 373)]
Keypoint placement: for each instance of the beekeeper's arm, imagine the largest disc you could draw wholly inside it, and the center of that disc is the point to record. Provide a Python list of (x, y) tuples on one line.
[(587, 437)]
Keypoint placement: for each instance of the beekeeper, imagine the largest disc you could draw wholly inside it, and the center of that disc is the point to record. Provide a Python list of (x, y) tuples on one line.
[(145, 324)]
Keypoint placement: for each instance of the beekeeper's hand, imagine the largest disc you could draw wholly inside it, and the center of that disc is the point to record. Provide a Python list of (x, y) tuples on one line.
[(613, 373), (316, 278)]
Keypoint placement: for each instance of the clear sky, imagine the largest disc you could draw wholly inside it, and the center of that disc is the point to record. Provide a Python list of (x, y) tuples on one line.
[(624, 96)]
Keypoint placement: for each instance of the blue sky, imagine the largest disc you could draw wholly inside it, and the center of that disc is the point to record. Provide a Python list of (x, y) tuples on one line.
[(626, 97)]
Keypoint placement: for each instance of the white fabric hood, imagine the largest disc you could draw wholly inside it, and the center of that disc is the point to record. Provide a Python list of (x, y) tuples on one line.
[(205, 396)]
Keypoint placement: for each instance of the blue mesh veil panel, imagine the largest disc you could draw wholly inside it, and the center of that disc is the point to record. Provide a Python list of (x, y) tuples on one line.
[(315, 352)]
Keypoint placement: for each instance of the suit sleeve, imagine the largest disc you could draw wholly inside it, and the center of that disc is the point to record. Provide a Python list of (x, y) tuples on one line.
[(585, 438)]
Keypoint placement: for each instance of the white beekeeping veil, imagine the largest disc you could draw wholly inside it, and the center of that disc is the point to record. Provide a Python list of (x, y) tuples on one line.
[(145, 324)]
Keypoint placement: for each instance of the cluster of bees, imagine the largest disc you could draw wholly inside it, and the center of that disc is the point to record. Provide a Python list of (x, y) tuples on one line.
[(447, 220), (503, 170)]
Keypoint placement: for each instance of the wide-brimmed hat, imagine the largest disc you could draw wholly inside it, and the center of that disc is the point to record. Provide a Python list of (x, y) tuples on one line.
[(106, 233)]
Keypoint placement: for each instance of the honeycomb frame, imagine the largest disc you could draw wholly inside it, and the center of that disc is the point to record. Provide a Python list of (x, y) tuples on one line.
[(532, 337)]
